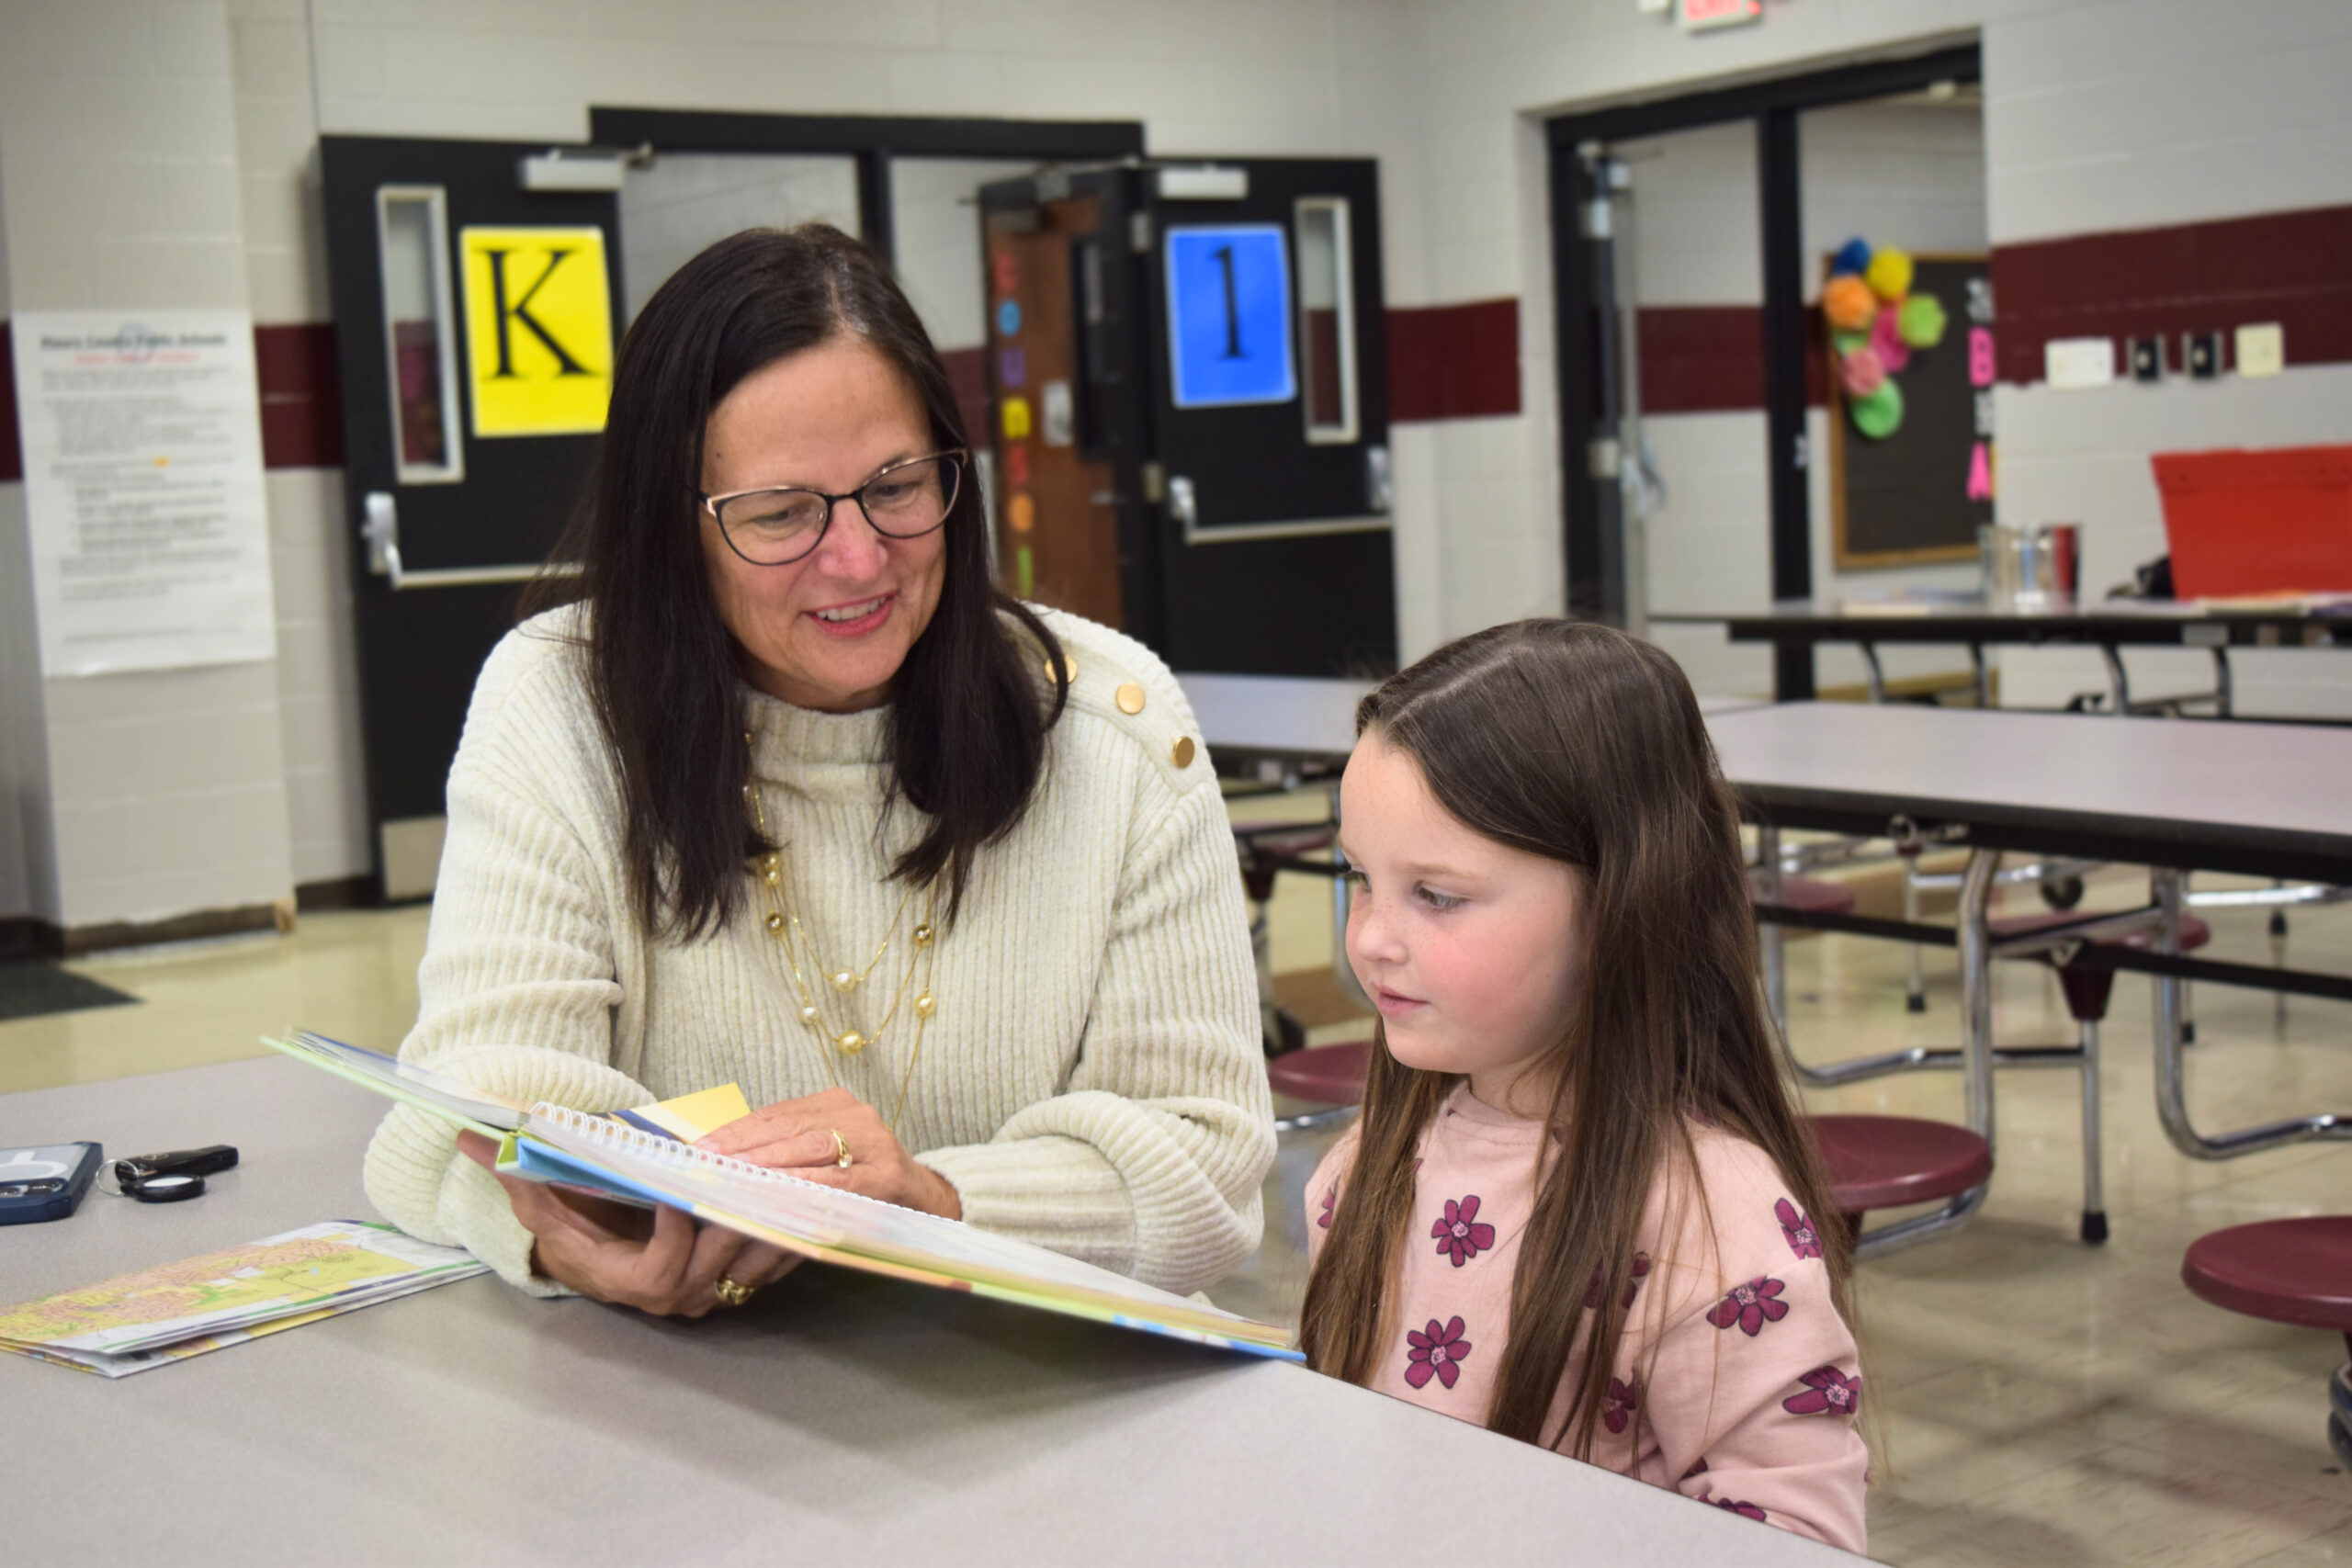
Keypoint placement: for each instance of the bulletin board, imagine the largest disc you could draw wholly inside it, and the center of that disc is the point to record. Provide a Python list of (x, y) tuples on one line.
[(1919, 495)]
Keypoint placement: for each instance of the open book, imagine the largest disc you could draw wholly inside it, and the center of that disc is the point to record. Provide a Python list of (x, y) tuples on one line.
[(640, 1156)]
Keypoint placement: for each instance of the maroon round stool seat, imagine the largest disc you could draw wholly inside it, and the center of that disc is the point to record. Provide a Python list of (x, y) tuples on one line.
[(1811, 895), (1886, 1162), (1325, 1075), (2087, 989), (2297, 1271), (1286, 838)]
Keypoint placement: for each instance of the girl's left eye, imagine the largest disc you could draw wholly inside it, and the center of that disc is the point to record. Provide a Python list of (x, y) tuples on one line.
[(1437, 900)]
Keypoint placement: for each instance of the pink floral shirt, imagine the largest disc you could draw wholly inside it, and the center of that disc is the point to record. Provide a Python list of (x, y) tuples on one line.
[(1736, 1383)]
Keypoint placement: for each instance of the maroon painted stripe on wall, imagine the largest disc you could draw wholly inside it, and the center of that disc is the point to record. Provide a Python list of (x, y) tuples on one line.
[(301, 398), (302, 403), (2288, 267), (1710, 358), (1453, 361), (967, 373)]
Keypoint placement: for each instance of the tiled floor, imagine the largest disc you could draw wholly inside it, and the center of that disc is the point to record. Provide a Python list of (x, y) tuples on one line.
[(2039, 1402)]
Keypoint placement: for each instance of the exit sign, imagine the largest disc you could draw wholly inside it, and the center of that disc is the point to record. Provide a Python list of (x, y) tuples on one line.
[(1695, 14)]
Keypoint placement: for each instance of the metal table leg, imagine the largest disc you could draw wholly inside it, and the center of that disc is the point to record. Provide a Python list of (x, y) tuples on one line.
[(1977, 1057), (2118, 683), (1771, 945), (2172, 1087)]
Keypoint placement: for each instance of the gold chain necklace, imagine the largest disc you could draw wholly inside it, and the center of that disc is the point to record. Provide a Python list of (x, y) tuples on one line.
[(786, 929)]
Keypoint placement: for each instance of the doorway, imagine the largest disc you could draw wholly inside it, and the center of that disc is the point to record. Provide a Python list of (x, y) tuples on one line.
[(1690, 238)]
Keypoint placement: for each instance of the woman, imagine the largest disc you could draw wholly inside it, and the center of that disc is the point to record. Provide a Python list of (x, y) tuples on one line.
[(794, 798)]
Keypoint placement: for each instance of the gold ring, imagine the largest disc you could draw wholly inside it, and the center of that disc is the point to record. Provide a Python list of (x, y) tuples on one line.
[(731, 1292), (841, 1149)]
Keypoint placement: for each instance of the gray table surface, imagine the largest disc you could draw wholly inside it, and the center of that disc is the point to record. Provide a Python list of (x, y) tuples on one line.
[(2269, 799), (1306, 716), (2244, 796), (1975, 619), (838, 1420)]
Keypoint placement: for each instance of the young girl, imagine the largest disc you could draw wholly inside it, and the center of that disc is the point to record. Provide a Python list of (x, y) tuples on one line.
[(1580, 1207)]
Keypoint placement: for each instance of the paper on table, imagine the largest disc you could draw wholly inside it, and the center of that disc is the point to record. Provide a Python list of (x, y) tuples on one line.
[(137, 1321)]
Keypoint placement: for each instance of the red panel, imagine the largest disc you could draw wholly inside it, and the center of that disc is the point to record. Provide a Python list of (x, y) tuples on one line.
[(2282, 267), (2275, 522), (12, 457), (301, 401), (1453, 361)]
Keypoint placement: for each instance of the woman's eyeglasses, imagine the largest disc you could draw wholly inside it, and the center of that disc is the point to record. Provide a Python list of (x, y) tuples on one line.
[(776, 527)]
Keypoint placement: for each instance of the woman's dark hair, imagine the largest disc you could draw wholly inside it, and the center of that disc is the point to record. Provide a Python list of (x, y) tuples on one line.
[(1585, 746), (968, 716)]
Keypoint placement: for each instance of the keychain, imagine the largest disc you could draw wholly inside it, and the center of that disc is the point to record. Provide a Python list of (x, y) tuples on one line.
[(169, 1177)]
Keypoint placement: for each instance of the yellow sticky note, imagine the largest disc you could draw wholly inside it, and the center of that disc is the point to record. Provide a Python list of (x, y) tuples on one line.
[(692, 1115), (538, 329), (1016, 418)]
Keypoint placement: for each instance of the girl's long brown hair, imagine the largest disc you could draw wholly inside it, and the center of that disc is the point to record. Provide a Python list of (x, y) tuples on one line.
[(1583, 745)]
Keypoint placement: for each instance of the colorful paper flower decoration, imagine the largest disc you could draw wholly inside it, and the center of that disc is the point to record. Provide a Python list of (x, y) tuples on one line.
[(1862, 372), (1880, 414), (1920, 319), (1886, 342), (1876, 324), (1847, 302), (1890, 274)]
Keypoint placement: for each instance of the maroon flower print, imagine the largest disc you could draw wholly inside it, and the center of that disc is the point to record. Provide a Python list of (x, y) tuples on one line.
[(1633, 1282), (1436, 1352), (1330, 1196), (1804, 1239), (1460, 1233), (1745, 1510), (1624, 1398), (1751, 1306), (1827, 1390), (1698, 1467)]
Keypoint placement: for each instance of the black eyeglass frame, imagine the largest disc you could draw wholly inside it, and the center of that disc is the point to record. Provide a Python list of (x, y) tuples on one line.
[(960, 455)]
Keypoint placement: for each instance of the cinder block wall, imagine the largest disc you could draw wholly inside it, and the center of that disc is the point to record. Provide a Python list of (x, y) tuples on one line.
[(159, 151)]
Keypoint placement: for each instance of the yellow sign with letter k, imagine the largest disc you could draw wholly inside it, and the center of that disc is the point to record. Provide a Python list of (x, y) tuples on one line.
[(538, 330)]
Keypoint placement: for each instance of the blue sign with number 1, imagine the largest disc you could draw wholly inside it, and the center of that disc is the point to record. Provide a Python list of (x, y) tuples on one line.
[(1228, 316)]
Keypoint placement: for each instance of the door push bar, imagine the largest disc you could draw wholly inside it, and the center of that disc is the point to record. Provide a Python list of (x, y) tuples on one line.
[(381, 528)]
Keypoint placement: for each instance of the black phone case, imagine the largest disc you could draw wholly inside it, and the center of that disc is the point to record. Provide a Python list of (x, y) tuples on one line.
[(35, 1208)]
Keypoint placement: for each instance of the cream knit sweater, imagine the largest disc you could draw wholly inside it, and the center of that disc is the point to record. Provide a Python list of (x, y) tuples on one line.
[(1091, 1080)]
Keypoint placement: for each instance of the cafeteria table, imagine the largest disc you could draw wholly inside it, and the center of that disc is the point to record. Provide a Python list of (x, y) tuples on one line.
[(2111, 626), (839, 1418), (2270, 801)]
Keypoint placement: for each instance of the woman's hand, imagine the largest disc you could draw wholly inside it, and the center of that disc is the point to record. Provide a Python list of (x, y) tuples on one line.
[(662, 1263), (797, 1135)]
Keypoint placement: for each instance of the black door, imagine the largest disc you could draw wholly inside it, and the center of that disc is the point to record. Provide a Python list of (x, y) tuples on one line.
[(475, 325), (1270, 414), (1189, 378)]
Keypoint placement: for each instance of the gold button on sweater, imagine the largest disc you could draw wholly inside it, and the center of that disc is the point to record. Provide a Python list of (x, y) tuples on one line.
[(1091, 1081)]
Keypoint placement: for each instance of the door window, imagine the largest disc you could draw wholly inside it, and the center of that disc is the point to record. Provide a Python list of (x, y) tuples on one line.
[(413, 237), (1327, 319), (683, 202)]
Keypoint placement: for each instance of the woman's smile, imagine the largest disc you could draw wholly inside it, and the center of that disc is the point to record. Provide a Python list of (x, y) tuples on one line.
[(854, 620)]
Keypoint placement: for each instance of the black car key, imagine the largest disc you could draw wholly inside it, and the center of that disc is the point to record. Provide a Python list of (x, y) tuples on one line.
[(177, 1162)]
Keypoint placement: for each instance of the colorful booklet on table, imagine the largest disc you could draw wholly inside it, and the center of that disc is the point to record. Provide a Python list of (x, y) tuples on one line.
[(160, 1315), (646, 1157)]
